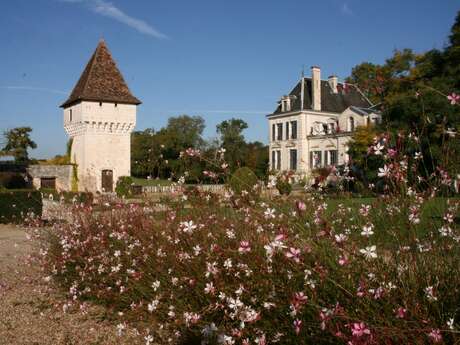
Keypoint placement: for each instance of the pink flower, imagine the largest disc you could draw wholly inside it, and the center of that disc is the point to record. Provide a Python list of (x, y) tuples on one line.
[(453, 98), (301, 206), (343, 260), (293, 254), (297, 326), (435, 335), (401, 313), (244, 247), (359, 329)]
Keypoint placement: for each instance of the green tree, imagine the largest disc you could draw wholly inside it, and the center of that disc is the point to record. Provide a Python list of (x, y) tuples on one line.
[(18, 141), (232, 139)]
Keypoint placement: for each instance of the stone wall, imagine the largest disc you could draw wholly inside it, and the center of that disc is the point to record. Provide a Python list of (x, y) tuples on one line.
[(62, 173)]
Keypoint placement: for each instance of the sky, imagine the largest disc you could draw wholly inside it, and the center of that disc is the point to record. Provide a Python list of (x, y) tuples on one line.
[(214, 58)]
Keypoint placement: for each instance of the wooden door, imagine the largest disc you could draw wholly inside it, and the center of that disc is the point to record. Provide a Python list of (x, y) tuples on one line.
[(48, 182), (107, 181)]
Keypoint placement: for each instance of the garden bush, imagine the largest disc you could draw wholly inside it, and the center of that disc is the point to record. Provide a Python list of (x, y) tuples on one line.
[(243, 179), (123, 187), (17, 205), (12, 180)]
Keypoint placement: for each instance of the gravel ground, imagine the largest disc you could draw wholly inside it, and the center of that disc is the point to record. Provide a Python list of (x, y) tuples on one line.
[(31, 310)]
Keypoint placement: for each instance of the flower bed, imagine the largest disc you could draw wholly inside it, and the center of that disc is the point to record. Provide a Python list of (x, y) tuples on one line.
[(289, 271)]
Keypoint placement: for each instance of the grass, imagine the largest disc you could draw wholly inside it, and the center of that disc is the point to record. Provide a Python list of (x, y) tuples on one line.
[(153, 182)]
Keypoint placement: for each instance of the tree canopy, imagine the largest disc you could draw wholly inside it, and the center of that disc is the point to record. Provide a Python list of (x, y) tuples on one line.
[(415, 94), (18, 142)]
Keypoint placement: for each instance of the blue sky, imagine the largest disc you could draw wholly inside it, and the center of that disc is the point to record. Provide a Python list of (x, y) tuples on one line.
[(214, 58)]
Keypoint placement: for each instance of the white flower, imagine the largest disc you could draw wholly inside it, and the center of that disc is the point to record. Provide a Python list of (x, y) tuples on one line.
[(148, 339), (209, 289), (188, 227), (384, 172), (369, 252), (228, 263), (156, 285), (450, 323), (378, 149), (120, 328), (429, 293), (153, 305), (269, 213), (367, 230), (339, 238), (225, 340)]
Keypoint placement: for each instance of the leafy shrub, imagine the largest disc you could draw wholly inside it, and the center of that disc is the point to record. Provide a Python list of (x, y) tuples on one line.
[(123, 187), (12, 180), (283, 186), (15, 205), (284, 182), (243, 179)]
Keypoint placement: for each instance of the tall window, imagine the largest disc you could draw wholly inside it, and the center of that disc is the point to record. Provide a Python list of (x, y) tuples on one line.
[(278, 160), (351, 124), (70, 115), (279, 134), (293, 129), (273, 132), (293, 159), (315, 159), (333, 157), (287, 130), (273, 160)]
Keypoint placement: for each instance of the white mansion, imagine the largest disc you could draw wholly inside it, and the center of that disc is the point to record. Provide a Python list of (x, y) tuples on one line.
[(313, 124)]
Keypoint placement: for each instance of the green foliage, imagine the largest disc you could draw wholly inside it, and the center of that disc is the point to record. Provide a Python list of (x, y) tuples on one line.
[(18, 142), (243, 179), (15, 205), (283, 186), (232, 139), (157, 153), (412, 91), (124, 186)]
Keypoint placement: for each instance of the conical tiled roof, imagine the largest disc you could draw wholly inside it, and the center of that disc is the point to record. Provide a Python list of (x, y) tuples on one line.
[(101, 81)]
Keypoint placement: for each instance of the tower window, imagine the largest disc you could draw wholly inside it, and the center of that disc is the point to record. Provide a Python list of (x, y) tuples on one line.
[(116, 104), (100, 104), (70, 115)]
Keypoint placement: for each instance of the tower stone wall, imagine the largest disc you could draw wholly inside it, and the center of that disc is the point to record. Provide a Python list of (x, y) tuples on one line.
[(99, 116)]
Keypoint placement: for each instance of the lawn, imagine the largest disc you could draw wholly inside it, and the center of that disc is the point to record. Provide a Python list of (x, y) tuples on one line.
[(152, 182)]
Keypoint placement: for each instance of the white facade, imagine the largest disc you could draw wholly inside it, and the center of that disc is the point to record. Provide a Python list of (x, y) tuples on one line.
[(101, 133), (303, 139)]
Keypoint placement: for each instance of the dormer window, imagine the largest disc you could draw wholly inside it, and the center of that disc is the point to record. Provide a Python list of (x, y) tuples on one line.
[(286, 103)]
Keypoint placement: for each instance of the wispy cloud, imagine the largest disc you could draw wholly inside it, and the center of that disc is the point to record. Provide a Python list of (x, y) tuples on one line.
[(235, 112), (107, 9), (345, 9), (32, 88)]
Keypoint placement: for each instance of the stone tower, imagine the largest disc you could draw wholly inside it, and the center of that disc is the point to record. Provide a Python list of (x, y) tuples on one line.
[(99, 116)]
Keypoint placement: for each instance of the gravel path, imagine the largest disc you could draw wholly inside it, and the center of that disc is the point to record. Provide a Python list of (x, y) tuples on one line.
[(31, 310)]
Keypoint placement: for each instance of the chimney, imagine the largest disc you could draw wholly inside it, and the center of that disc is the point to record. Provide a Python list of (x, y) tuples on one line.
[(333, 81), (316, 88)]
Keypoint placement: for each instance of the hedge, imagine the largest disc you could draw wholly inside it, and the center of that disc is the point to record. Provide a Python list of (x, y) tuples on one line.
[(67, 196), (16, 204)]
